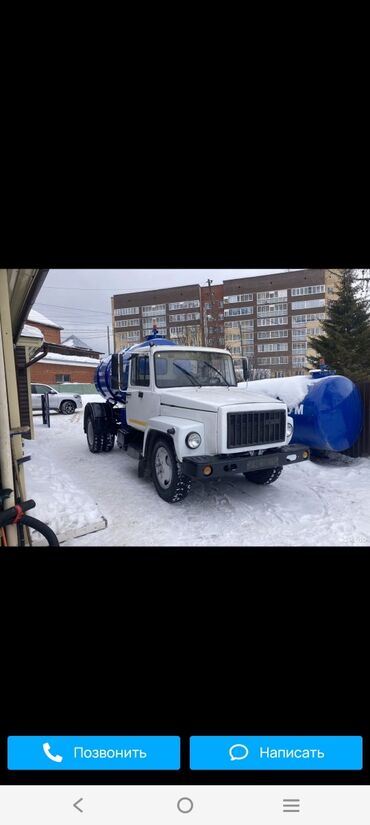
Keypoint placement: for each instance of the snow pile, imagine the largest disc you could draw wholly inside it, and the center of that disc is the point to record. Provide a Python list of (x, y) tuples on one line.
[(61, 501), (291, 390), (311, 503)]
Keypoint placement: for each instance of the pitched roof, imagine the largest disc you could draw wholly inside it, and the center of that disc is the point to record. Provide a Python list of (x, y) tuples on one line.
[(74, 341), (41, 319)]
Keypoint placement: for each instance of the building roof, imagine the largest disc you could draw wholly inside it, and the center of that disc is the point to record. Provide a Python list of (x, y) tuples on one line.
[(78, 360), (41, 319), (74, 341), (31, 332)]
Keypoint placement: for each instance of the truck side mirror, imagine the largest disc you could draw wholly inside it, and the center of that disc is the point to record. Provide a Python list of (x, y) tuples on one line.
[(245, 365)]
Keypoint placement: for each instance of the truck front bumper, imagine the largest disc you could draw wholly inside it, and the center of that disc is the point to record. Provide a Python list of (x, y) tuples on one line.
[(226, 465)]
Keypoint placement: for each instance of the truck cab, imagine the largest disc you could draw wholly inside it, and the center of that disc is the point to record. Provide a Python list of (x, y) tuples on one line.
[(179, 411)]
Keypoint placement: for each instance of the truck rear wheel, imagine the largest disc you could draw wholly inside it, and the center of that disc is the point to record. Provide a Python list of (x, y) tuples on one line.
[(264, 476), (98, 439), (108, 442), (169, 481), (94, 440)]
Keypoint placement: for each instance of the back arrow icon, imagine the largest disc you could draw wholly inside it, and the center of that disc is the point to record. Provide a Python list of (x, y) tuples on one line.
[(75, 805)]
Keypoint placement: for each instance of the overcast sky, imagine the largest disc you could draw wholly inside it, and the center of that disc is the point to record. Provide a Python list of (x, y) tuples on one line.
[(79, 299)]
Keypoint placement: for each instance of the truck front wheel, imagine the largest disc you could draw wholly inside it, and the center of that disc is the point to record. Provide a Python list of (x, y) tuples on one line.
[(169, 481), (264, 476)]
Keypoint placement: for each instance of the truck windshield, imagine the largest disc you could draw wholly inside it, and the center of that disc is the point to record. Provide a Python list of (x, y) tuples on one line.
[(193, 368)]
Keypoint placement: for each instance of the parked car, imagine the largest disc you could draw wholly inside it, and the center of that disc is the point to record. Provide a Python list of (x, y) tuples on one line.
[(64, 402)]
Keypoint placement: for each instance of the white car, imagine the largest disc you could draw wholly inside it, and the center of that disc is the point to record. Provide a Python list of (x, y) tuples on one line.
[(64, 402)]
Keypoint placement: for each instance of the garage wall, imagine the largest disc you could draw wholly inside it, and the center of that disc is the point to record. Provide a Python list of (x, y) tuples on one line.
[(44, 372)]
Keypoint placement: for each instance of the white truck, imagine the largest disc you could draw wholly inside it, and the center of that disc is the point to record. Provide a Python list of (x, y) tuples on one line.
[(179, 411)]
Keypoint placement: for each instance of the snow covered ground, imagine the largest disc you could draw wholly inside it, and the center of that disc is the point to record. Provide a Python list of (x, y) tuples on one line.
[(311, 503)]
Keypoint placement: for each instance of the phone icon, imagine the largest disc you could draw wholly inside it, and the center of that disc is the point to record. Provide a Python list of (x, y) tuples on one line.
[(46, 749)]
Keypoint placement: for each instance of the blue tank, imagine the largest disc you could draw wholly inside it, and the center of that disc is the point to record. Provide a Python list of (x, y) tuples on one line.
[(330, 417), (327, 411), (104, 370)]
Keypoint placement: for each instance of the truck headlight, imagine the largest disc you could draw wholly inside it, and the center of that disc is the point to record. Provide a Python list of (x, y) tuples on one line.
[(193, 440), (289, 428)]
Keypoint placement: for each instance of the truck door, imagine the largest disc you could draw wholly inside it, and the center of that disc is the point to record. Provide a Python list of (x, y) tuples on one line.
[(142, 402)]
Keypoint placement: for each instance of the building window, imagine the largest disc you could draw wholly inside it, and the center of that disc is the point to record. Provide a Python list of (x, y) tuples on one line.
[(308, 290), (127, 311), (277, 359), (187, 316), (320, 302), (155, 309), (133, 335), (302, 319), (273, 333), (238, 299), (271, 322), (239, 311), (189, 332), (62, 379), (184, 305), (237, 324), (148, 330), (271, 297), (277, 309), (298, 360), (272, 347), (129, 322)]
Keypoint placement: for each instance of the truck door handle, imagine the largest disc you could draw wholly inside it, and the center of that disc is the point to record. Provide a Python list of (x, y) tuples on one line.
[(141, 395)]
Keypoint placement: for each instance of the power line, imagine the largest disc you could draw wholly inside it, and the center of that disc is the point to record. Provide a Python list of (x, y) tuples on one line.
[(100, 289), (80, 309), (69, 322), (111, 289)]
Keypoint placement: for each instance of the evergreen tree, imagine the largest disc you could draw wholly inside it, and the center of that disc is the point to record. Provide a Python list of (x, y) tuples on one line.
[(345, 342)]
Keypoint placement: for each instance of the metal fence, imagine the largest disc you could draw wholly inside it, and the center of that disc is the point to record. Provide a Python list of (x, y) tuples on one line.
[(361, 447)]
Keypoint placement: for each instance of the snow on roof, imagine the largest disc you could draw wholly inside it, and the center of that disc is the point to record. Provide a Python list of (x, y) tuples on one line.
[(41, 319), (56, 358), (31, 332), (74, 341)]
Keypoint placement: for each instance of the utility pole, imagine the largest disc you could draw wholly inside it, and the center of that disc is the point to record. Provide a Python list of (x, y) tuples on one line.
[(214, 336), (108, 340)]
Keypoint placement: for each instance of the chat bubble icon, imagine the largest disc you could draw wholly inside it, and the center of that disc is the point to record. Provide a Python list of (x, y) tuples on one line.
[(238, 751)]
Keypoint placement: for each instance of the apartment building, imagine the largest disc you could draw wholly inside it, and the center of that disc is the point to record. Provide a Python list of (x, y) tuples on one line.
[(176, 310), (267, 318)]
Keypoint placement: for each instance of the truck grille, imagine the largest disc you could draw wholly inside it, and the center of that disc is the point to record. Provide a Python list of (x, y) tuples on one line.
[(248, 429)]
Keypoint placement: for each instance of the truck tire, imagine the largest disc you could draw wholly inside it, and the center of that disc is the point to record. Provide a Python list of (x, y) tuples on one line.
[(264, 476), (94, 439), (108, 442), (169, 481)]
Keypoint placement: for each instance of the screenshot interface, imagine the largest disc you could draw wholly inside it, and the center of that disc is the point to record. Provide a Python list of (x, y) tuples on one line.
[(195, 687)]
